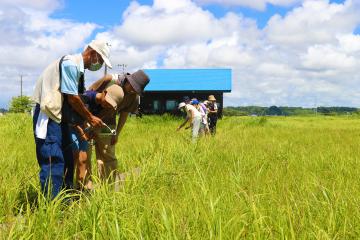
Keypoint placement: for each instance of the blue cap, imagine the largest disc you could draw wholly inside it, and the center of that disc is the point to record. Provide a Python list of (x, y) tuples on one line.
[(195, 102)]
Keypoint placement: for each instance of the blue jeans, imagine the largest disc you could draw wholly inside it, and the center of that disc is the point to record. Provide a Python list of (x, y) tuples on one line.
[(54, 157)]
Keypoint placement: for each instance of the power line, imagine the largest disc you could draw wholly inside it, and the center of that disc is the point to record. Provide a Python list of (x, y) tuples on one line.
[(123, 67)]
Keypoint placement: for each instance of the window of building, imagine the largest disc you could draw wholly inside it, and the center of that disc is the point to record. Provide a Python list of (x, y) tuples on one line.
[(170, 105), (156, 105)]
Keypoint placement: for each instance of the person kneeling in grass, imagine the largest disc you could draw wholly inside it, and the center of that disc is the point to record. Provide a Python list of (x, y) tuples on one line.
[(132, 86), (125, 91), (193, 117), (101, 104)]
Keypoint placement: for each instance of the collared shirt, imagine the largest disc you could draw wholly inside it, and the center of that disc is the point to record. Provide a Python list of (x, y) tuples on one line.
[(89, 99), (202, 109), (190, 108), (130, 104)]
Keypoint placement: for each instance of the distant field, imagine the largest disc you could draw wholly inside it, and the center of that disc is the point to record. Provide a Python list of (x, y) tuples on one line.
[(259, 178)]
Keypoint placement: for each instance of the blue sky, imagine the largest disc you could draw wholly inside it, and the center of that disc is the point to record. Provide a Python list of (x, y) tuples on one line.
[(310, 48), (111, 11)]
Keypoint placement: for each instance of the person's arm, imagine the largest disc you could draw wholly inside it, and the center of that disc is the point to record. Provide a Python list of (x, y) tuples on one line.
[(183, 124), (192, 116), (100, 84), (85, 135), (202, 111), (69, 88), (76, 103), (122, 120)]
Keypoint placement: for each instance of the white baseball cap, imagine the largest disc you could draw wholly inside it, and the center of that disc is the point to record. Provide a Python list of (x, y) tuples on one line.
[(102, 48), (182, 104)]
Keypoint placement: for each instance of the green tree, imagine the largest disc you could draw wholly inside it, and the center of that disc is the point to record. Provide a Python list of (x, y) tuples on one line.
[(274, 110), (20, 104)]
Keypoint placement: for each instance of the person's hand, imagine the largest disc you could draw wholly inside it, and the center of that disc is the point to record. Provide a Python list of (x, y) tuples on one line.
[(96, 122), (114, 139), (81, 132), (88, 135), (178, 129)]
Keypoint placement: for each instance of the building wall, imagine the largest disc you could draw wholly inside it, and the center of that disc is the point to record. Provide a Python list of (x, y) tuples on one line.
[(167, 102)]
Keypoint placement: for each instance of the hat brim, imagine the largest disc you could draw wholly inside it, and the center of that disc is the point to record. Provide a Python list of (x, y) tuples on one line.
[(111, 101), (132, 83), (106, 60)]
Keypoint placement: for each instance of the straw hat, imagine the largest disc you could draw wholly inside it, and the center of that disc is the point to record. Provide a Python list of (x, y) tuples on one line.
[(211, 98)]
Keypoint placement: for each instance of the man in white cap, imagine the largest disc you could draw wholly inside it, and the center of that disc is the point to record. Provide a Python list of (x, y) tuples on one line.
[(132, 86), (59, 85), (193, 117)]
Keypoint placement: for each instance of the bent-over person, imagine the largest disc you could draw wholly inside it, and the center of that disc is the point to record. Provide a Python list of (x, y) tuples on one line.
[(59, 85), (193, 116), (132, 85)]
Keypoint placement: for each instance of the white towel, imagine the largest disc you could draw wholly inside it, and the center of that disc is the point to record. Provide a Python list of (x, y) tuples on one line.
[(41, 125)]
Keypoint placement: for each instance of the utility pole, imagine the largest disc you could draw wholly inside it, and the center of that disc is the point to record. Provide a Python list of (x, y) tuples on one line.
[(123, 67), (21, 85)]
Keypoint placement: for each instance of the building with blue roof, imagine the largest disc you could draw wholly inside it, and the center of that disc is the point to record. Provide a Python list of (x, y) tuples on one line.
[(168, 87)]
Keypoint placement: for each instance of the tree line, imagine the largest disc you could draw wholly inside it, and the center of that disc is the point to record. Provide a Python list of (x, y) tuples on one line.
[(287, 111), (22, 104)]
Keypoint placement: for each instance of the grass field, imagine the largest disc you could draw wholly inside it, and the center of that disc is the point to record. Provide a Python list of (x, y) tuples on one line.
[(274, 178)]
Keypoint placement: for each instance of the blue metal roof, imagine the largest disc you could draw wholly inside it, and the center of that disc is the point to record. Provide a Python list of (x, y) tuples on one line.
[(212, 79)]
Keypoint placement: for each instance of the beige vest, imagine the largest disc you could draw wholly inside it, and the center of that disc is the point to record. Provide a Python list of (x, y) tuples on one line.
[(47, 89)]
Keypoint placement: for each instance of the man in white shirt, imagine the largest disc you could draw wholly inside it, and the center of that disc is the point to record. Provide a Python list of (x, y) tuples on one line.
[(193, 117), (60, 84), (204, 119)]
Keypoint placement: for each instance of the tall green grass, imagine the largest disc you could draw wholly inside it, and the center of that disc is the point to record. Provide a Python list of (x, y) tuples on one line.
[(258, 178)]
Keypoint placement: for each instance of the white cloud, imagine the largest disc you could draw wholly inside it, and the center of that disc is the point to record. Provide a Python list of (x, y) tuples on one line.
[(324, 57), (315, 22), (256, 4), (309, 55), (350, 43), (44, 5), (167, 22), (30, 40)]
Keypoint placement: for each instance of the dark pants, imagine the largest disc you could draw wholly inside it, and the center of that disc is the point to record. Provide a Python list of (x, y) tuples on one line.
[(68, 156), (54, 157), (212, 124)]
